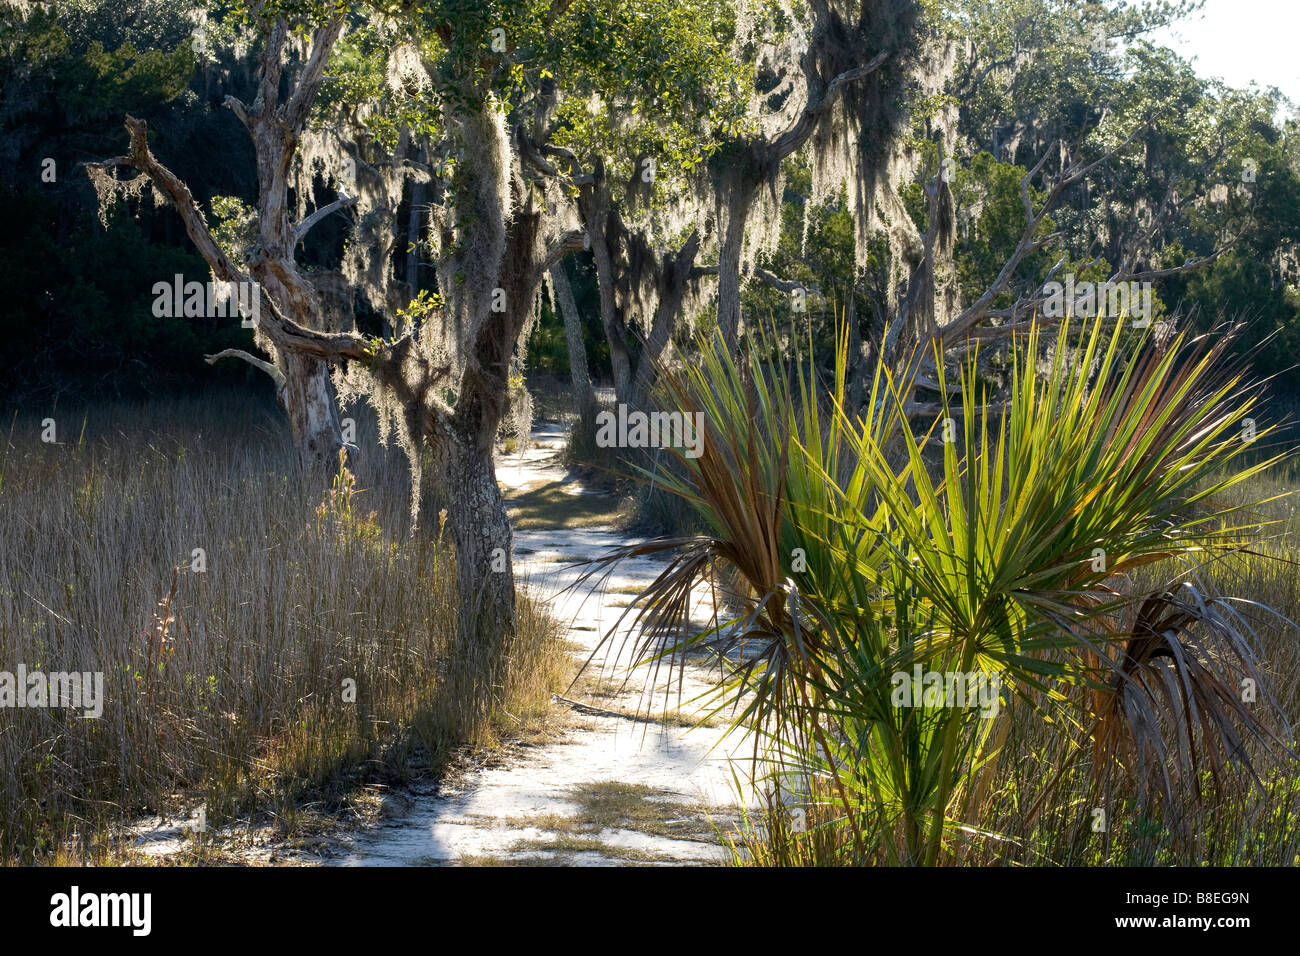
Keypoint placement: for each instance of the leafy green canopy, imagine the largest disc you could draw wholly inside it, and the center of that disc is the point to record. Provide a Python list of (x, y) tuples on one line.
[(630, 81)]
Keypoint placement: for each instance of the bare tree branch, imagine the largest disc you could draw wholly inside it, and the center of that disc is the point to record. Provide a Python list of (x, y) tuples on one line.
[(317, 215), (276, 375), (797, 134), (557, 249), (323, 38), (240, 109), (181, 198), (934, 386), (783, 285), (534, 154), (282, 332), (934, 410), (1027, 245), (268, 90)]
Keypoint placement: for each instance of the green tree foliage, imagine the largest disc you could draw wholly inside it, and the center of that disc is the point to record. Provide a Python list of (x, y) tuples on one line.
[(81, 326), (1208, 171), (1216, 165), (1028, 73)]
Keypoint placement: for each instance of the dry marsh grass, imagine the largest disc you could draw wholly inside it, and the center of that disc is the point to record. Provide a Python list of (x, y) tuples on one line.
[(231, 686)]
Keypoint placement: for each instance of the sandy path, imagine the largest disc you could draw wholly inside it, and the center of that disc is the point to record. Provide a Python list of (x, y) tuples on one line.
[(615, 790)]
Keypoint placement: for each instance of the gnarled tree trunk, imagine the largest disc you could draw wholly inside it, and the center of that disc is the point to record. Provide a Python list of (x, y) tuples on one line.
[(480, 530), (671, 279), (310, 403), (738, 196), (274, 123)]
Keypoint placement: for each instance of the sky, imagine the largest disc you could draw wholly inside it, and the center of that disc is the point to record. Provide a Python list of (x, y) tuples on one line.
[(1242, 40)]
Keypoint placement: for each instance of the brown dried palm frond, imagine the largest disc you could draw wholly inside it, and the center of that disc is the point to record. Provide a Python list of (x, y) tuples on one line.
[(1186, 697)]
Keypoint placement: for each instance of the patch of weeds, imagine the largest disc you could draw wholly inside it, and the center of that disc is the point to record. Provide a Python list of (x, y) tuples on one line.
[(489, 859), (594, 686), (561, 559), (550, 506), (614, 805), (567, 845), (679, 718)]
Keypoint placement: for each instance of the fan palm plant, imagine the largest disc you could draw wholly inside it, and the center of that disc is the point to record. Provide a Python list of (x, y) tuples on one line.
[(994, 547)]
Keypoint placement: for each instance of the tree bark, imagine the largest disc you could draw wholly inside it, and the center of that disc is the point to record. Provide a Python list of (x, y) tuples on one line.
[(739, 199), (593, 202), (672, 277), (274, 125), (414, 222), (754, 162), (480, 530), (414, 230), (310, 404), (583, 396), (308, 395), (465, 440)]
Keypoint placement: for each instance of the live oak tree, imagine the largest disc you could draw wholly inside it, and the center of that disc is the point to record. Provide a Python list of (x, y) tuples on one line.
[(885, 143), (780, 78), (1104, 167), (584, 395), (491, 72), (833, 80), (510, 81), (501, 219), (542, 120), (633, 158), (296, 39)]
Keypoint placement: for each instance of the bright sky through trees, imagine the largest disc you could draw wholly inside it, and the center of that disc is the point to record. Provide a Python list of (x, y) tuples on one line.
[(1241, 41)]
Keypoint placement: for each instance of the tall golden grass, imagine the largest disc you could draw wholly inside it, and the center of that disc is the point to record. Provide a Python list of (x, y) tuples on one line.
[(227, 686)]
